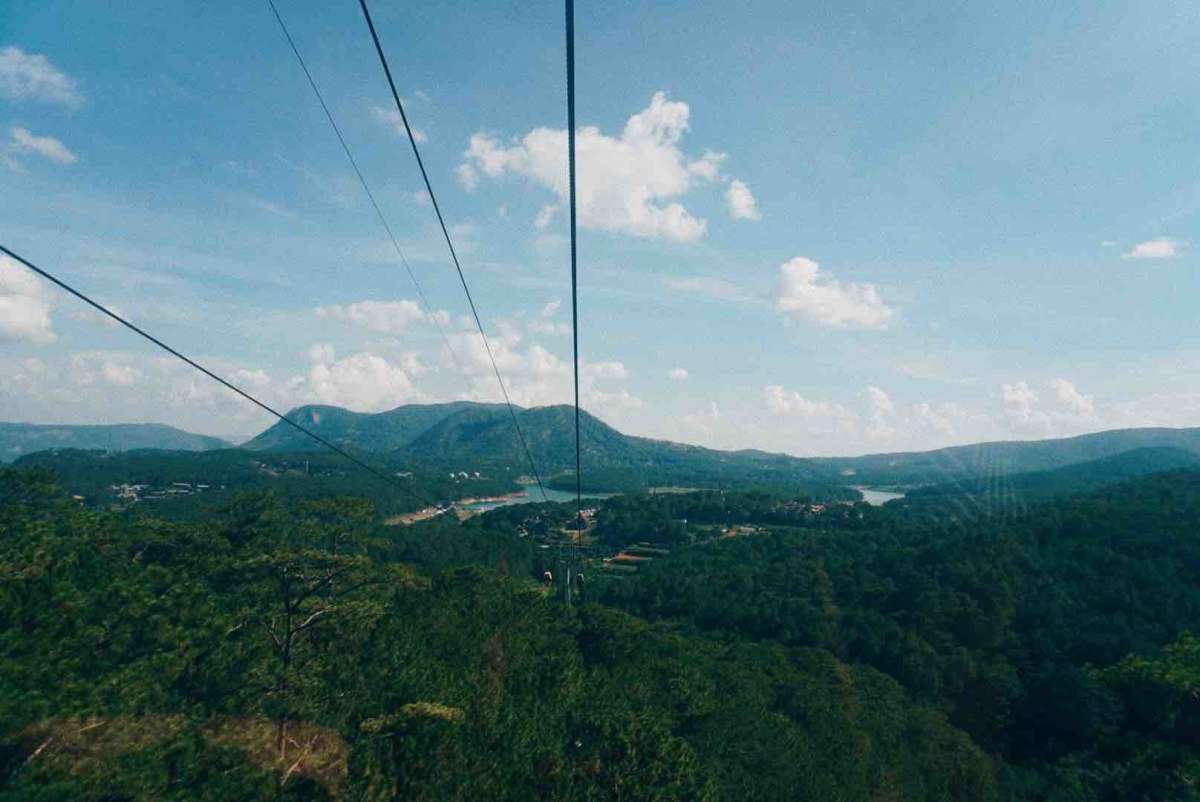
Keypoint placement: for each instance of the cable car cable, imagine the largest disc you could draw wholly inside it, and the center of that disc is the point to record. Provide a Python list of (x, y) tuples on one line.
[(450, 244), (425, 305), (570, 36), (303, 429)]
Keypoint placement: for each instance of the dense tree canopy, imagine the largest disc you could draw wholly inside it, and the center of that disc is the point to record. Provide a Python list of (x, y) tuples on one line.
[(280, 650)]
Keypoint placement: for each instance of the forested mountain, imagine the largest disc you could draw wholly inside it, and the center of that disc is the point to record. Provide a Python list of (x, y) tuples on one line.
[(971, 462), (17, 439), (380, 431), (467, 433)]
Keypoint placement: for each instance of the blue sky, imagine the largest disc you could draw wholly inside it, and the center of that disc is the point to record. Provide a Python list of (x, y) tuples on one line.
[(825, 230)]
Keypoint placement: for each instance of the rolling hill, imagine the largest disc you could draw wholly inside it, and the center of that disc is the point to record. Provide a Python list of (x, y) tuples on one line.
[(981, 460), (18, 439), (1015, 492)]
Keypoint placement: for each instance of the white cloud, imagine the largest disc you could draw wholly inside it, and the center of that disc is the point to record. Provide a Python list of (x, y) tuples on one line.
[(1108, 243), (382, 317), (677, 374), (1157, 248), (364, 382), (1062, 410), (535, 376), (1020, 401), (31, 76), (781, 402), (628, 184), (22, 141), (882, 410), (806, 293), (707, 166), (24, 305), (551, 307), (1071, 399), (741, 203), (392, 118), (101, 369)]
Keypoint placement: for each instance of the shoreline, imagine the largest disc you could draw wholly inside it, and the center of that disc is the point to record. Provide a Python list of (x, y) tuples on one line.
[(491, 499)]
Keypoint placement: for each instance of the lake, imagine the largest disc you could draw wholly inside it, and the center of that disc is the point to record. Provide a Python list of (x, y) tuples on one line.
[(877, 498), (532, 496)]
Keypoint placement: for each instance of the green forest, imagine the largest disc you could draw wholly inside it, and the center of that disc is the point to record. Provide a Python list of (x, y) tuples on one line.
[(282, 647)]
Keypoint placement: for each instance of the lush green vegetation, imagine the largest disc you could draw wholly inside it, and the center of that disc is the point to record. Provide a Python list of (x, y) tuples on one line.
[(1020, 630), (290, 476), (281, 651), (295, 648)]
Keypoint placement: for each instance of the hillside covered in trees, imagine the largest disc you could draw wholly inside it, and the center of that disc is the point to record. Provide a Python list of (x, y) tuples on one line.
[(466, 432), (780, 649)]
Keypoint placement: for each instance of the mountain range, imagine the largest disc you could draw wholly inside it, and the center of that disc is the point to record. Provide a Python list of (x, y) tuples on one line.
[(473, 434), (466, 435), (1006, 458)]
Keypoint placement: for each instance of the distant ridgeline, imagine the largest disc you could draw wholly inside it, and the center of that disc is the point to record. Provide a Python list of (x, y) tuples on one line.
[(429, 442), (17, 439), (983, 461)]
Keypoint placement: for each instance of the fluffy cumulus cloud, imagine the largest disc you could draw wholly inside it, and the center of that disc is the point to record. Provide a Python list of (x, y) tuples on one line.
[(872, 421), (1070, 399), (31, 76), (630, 183), (381, 317), (24, 305), (677, 374), (741, 203), (536, 376), (363, 382), (1157, 248), (105, 369), (1059, 408), (783, 402), (23, 142), (807, 293)]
